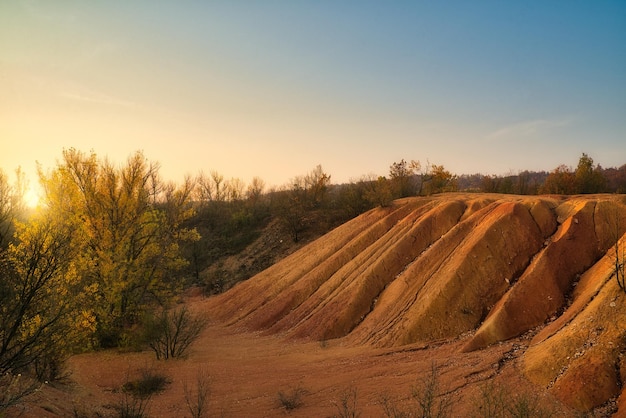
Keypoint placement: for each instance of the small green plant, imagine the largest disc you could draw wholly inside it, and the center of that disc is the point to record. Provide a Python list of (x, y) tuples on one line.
[(170, 333), (347, 406), (197, 400), (292, 399)]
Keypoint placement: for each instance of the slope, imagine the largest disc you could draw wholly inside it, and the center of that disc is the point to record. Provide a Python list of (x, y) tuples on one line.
[(481, 267)]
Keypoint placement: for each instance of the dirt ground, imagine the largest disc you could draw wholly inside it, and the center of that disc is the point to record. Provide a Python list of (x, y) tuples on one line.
[(510, 300), (246, 372)]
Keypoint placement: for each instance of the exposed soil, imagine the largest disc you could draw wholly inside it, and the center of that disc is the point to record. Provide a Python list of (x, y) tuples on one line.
[(512, 290), (248, 370)]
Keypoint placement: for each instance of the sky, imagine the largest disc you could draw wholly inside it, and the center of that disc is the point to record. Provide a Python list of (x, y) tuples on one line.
[(274, 88)]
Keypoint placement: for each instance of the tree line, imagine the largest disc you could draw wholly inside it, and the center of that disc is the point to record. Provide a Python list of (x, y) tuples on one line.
[(112, 243)]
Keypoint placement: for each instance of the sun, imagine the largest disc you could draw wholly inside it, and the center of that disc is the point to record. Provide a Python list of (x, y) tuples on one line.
[(32, 197)]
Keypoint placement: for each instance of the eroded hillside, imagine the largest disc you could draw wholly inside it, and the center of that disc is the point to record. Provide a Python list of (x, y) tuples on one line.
[(484, 268)]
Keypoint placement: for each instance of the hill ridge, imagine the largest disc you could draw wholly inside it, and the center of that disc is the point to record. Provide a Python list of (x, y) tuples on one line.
[(489, 267)]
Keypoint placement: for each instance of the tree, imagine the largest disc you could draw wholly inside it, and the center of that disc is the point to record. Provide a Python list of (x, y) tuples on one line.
[(403, 177), (589, 178), (255, 190), (43, 312), (379, 192), (441, 180), (234, 189), (11, 205), (560, 181), (316, 184), (128, 224), (307, 193), (171, 333), (290, 208)]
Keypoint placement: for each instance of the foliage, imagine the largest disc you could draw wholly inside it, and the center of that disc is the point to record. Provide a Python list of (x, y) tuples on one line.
[(441, 180), (171, 333), (524, 183), (404, 178), (589, 178), (379, 193), (307, 194), (128, 224), (42, 299)]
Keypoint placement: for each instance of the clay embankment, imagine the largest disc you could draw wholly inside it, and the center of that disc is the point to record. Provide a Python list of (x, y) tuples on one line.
[(485, 268)]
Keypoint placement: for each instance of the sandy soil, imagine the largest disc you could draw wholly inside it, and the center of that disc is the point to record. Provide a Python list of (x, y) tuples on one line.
[(248, 370)]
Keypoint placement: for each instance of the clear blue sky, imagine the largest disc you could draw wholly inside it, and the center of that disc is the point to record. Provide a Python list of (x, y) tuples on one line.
[(273, 88)]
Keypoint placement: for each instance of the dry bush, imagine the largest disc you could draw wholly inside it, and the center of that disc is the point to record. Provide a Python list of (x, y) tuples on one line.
[(347, 406), (426, 400), (148, 383), (131, 406), (292, 399), (172, 332), (13, 388), (197, 400), (500, 402)]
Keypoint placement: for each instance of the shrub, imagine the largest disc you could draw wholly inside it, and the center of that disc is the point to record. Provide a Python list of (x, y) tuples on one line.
[(149, 383), (171, 333), (197, 401), (426, 400), (492, 402), (347, 407), (391, 409), (500, 402), (131, 407), (13, 388), (430, 402), (293, 398)]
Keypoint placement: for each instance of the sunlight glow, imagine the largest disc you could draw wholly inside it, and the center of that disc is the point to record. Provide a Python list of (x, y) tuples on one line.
[(32, 197)]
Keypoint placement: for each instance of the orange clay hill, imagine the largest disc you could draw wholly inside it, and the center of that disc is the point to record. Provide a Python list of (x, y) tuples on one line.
[(474, 269)]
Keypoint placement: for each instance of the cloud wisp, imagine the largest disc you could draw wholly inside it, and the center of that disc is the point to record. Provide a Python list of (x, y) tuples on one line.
[(527, 128)]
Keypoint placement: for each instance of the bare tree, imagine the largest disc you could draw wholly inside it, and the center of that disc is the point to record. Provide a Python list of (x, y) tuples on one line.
[(11, 205)]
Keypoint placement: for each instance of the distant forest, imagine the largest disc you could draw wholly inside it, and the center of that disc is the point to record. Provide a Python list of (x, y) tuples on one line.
[(229, 217)]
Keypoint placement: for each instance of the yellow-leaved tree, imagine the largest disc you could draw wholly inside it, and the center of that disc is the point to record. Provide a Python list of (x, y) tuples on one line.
[(128, 224), (43, 314)]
